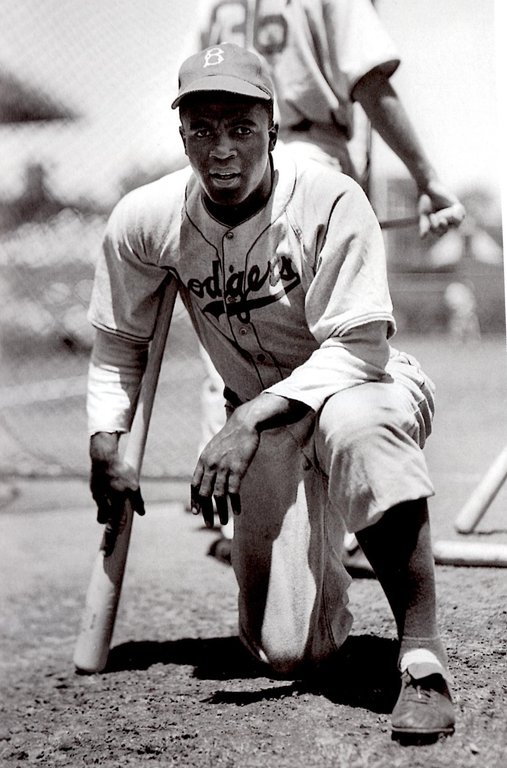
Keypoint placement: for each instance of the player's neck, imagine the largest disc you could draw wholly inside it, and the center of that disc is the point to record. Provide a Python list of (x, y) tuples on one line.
[(232, 215)]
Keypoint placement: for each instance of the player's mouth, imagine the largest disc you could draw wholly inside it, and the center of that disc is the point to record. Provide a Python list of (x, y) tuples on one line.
[(224, 177)]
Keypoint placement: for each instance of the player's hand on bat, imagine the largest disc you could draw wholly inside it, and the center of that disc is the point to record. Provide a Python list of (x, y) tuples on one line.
[(111, 483), (221, 468), (438, 209)]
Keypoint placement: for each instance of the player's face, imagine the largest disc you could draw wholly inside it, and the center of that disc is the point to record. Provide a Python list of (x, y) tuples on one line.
[(227, 140)]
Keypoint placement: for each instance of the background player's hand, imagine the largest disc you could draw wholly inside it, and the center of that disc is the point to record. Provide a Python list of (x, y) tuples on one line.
[(221, 468), (111, 483), (439, 210)]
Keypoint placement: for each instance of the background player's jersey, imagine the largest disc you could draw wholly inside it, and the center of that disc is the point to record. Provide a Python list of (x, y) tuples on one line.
[(317, 50)]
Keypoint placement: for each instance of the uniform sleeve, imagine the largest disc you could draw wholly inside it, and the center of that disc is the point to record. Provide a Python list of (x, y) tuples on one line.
[(114, 378), (348, 307), (127, 284), (126, 294), (358, 42)]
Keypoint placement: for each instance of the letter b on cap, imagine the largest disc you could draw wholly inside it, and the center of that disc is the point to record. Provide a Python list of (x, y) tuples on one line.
[(213, 57)]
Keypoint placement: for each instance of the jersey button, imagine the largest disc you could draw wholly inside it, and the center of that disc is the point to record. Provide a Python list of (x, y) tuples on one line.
[(261, 358), (243, 330), (229, 235)]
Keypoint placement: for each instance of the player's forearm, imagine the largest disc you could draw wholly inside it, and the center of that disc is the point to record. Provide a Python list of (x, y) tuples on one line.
[(115, 373), (268, 411), (391, 121)]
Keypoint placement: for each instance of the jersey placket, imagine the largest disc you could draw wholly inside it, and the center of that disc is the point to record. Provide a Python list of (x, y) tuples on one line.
[(238, 287)]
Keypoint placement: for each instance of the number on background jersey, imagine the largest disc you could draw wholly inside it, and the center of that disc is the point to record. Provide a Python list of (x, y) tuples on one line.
[(231, 22)]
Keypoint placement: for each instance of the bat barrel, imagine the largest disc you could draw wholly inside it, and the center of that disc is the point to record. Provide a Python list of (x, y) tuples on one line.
[(101, 603), (470, 553), (480, 500)]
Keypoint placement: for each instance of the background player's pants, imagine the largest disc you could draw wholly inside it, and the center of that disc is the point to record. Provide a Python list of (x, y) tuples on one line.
[(342, 469)]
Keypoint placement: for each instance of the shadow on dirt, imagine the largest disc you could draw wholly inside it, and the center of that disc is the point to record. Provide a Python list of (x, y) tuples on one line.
[(362, 674), (213, 658)]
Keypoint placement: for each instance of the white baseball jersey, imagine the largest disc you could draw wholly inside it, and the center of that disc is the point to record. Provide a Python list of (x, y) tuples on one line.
[(317, 50), (294, 300)]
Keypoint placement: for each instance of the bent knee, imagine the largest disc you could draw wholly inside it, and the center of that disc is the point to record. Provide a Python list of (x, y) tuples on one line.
[(290, 659), (361, 417)]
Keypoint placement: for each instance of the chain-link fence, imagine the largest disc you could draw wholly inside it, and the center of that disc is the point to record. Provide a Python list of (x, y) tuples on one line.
[(85, 92), (82, 119)]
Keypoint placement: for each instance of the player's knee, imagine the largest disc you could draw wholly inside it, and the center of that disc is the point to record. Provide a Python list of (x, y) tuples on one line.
[(356, 429), (286, 661), (283, 656)]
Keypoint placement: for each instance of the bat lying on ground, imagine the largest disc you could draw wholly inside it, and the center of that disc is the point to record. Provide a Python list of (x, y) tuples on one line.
[(477, 505), (103, 594)]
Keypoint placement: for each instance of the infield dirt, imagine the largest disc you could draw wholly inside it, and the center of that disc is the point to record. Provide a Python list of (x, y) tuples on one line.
[(179, 690)]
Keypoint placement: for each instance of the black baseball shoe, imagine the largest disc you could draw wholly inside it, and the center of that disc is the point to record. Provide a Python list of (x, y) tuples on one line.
[(424, 708), (221, 550)]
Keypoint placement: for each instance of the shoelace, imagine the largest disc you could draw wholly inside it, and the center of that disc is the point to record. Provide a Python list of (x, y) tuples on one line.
[(415, 691)]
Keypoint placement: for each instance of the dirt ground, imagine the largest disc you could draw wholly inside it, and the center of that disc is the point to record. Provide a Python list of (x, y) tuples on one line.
[(179, 689)]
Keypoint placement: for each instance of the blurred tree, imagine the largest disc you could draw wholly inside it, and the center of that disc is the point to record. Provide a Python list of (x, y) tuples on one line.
[(22, 103)]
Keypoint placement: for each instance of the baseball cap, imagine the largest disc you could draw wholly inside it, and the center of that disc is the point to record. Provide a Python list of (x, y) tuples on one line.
[(225, 67)]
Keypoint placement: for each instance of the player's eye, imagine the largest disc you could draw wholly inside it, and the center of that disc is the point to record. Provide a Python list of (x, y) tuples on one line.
[(202, 133), (243, 130)]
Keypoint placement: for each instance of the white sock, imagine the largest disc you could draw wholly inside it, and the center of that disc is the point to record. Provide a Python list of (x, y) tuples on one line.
[(421, 662)]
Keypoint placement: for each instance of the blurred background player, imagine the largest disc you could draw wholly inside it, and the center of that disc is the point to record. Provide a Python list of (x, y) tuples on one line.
[(331, 63), (464, 325)]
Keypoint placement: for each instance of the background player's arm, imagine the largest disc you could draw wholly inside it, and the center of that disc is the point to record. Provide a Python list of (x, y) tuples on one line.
[(439, 208)]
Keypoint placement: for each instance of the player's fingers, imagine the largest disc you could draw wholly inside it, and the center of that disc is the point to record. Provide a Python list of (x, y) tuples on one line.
[(206, 505), (207, 484), (222, 508), (455, 214), (201, 504), (234, 488), (438, 223), (110, 535), (424, 225), (195, 500), (220, 496), (103, 508), (235, 503), (446, 218), (137, 502)]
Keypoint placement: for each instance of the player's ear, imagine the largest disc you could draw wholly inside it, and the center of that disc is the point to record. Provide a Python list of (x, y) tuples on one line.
[(183, 138), (273, 136)]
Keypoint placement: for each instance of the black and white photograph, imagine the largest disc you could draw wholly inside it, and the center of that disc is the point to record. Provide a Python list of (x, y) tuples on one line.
[(253, 384)]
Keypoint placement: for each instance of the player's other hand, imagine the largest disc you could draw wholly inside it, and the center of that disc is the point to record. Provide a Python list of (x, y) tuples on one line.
[(439, 210), (220, 469), (111, 483)]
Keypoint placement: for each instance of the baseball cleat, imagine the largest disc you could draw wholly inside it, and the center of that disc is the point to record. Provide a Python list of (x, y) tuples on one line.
[(221, 550), (424, 707)]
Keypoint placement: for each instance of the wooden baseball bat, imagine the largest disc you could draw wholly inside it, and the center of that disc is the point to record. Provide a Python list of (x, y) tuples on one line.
[(408, 221), (475, 508), (104, 589), (470, 553)]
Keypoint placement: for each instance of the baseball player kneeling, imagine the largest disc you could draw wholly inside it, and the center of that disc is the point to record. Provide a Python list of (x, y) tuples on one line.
[(281, 266)]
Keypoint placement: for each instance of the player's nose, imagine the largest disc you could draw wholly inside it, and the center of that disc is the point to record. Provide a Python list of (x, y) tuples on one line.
[(223, 147)]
